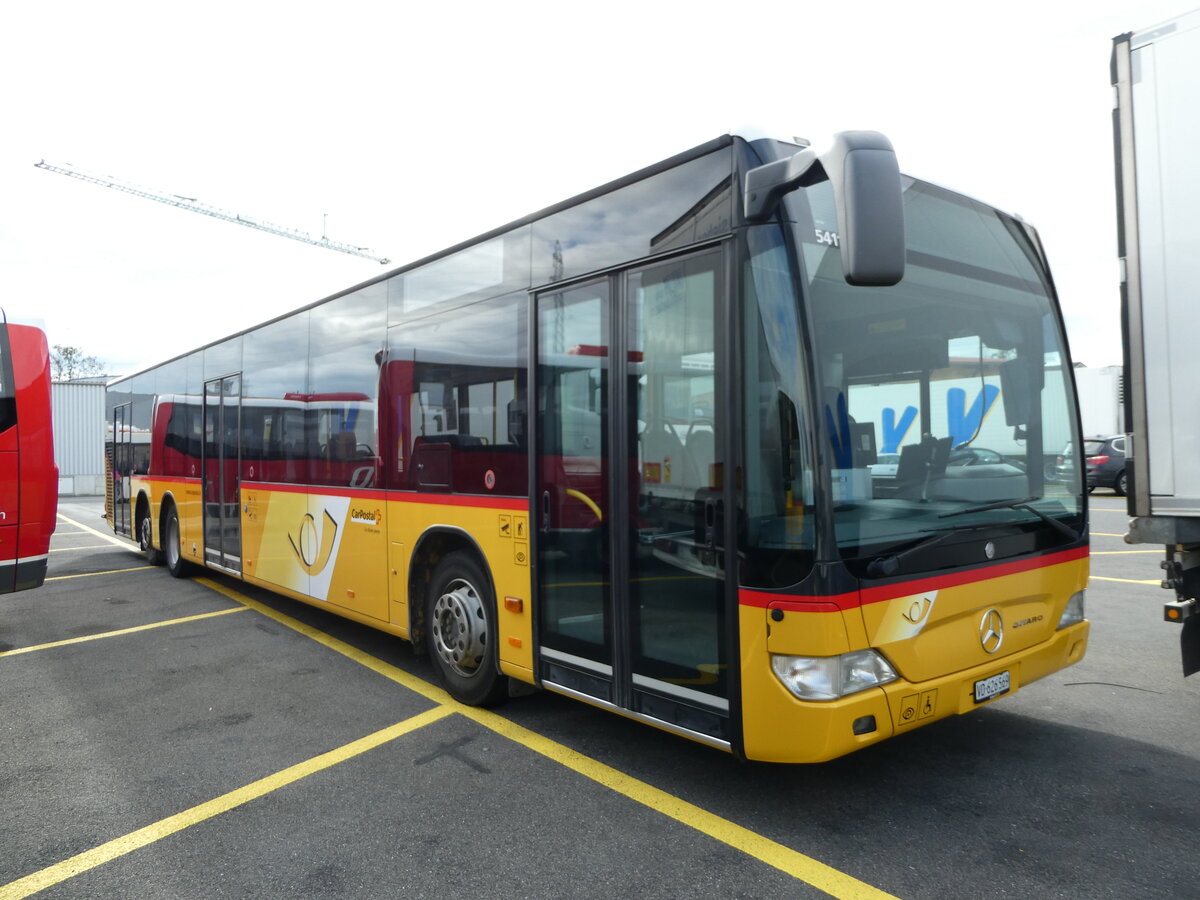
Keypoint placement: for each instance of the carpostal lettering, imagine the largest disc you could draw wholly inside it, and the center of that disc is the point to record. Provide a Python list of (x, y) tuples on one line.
[(366, 516)]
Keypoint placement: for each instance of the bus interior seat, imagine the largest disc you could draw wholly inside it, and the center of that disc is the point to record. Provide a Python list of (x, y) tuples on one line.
[(701, 453), (342, 446), (657, 445), (455, 441)]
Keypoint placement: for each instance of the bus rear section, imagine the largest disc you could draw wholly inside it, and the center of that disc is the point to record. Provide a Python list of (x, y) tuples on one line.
[(28, 476)]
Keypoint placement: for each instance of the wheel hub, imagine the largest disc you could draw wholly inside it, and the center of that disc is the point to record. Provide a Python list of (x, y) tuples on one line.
[(460, 627)]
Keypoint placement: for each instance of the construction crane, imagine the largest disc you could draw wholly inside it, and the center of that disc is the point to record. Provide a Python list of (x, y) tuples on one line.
[(190, 203)]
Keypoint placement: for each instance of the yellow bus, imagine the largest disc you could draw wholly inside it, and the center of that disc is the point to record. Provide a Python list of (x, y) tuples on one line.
[(748, 445)]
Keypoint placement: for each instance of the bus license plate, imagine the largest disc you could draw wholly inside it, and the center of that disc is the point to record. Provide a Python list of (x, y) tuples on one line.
[(987, 688)]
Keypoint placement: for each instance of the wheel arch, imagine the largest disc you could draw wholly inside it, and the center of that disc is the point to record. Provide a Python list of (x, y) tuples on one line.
[(143, 507), (434, 544), (167, 502)]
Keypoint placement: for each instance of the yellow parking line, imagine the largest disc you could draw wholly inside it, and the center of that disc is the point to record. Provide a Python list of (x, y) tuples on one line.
[(1115, 552), (417, 685), (111, 538), (1105, 534), (119, 632), (97, 856), (84, 547), (107, 572), (791, 862), (787, 860), (1125, 580), (796, 864)]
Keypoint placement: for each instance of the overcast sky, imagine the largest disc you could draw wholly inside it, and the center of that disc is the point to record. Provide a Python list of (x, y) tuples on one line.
[(413, 129)]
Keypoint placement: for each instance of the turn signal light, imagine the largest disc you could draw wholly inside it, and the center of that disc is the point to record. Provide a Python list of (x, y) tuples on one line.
[(1180, 610)]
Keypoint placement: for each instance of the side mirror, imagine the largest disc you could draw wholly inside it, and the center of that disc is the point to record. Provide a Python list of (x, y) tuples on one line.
[(861, 167), (1019, 381)]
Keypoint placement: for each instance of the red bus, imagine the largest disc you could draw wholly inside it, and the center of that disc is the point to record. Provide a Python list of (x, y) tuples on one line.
[(28, 476)]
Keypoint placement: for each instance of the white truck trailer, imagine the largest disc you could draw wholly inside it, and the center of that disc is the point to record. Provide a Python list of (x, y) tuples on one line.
[(1101, 400), (1156, 73)]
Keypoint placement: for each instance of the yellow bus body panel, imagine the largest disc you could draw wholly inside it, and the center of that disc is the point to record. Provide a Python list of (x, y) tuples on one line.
[(351, 553), (937, 653)]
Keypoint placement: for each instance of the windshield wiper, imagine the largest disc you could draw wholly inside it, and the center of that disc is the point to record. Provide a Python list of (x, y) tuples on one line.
[(890, 565), (1058, 526)]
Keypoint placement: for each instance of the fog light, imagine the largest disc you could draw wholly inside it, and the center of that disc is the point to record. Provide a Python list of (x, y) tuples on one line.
[(864, 725)]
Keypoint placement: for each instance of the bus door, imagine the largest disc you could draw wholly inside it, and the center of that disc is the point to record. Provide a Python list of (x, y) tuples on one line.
[(629, 497), (122, 467), (222, 452)]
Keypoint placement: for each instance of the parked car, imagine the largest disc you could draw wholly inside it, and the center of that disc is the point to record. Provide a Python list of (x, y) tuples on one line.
[(1105, 461), (965, 455), (885, 465)]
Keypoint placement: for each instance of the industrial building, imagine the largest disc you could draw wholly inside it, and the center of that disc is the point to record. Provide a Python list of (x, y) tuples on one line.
[(78, 415)]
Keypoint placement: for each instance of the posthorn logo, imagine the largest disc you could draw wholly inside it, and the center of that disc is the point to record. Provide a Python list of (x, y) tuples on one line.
[(314, 547)]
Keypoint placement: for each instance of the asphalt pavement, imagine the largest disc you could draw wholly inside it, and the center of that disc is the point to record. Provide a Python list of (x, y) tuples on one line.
[(199, 738)]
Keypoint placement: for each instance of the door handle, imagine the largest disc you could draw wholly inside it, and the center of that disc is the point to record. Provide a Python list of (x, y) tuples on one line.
[(545, 510), (714, 511)]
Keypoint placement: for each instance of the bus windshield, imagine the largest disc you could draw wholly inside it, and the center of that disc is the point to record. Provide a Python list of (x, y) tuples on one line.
[(943, 401)]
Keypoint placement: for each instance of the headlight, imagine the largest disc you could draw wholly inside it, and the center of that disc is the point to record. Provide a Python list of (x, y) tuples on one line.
[(1073, 614), (831, 677)]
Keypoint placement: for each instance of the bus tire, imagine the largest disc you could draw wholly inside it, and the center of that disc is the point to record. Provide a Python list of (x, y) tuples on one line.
[(460, 631), (172, 552), (145, 533)]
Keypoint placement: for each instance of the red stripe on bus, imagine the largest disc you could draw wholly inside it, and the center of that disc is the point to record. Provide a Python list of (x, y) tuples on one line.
[(883, 593), (327, 490), (519, 504), (797, 602)]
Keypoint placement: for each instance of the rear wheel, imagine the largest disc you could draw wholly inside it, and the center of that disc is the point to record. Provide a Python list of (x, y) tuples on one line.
[(1120, 484), (460, 630), (145, 533), (171, 551)]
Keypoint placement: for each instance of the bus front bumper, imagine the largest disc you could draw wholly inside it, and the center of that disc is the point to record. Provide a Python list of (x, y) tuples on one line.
[(780, 728)]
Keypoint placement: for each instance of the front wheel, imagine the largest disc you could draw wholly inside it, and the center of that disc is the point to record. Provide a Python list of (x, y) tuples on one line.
[(460, 631), (173, 555)]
